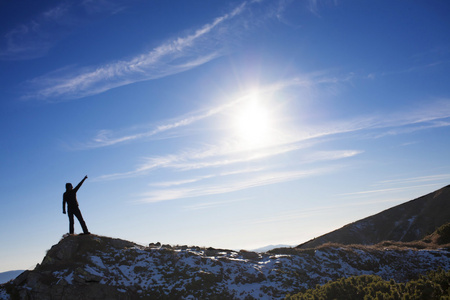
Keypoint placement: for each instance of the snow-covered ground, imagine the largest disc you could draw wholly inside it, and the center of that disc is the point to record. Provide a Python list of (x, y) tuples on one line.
[(254, 274), (194, 273), (4, 295)]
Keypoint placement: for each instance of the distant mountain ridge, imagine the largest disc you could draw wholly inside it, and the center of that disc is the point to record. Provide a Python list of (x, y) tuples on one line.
[(8, 275), (270, 247), (406, 222)]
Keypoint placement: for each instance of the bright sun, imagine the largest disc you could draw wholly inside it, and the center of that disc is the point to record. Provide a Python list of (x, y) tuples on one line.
[(253, 121)]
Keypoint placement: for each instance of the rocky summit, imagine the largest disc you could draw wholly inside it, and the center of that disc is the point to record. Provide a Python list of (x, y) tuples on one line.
[(97, 267)]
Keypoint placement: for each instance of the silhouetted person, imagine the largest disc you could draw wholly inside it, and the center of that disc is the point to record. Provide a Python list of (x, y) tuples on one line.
[(70, 197)]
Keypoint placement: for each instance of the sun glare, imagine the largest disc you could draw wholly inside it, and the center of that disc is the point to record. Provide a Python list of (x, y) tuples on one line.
[(253, 122)]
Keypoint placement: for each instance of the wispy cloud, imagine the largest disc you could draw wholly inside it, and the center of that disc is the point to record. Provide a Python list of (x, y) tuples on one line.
[(261, 179), (206, 205), (240, 156), (215, 157), (314, 6), (330, 155), (230, 181), (429, 115), (389, 190), (432, 114), (106, 138), (209, 157), (226, 154), (289, 216), (177, 55), (209, 176), (416, 127), (231, 153), (414, 180), (34, 38), (417, 68)]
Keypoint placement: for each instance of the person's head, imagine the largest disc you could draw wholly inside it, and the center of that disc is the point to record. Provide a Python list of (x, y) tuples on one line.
[(69, 186)]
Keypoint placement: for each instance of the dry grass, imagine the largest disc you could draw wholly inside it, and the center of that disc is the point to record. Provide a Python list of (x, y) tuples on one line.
[(383, 246), (437, 240)]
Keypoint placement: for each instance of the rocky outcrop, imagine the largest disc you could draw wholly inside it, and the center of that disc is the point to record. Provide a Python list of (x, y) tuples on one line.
[(72, 253), (95, 267)]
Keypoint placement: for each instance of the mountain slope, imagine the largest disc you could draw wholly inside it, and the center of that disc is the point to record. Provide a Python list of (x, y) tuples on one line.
[(96, 267), (406, 222), (7, 276)]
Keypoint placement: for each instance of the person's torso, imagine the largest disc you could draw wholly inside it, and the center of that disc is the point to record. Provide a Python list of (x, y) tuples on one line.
[(71, 198)]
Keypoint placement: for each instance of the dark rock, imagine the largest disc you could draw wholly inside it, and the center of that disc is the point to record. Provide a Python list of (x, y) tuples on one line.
[(249, 254)]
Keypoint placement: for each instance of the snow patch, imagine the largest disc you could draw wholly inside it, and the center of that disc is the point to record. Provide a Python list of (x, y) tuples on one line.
[(4, 295), (69, 278), (192, 273), (98, 261)]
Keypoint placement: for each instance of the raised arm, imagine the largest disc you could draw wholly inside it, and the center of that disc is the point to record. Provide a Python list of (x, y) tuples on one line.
[(79, 185)]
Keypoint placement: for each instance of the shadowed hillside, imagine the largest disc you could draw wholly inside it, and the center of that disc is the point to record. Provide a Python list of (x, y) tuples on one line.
[(96, 267), (406, 222)]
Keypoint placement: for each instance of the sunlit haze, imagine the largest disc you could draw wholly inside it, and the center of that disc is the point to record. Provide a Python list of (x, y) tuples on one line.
[(227, 124), (253, 122)]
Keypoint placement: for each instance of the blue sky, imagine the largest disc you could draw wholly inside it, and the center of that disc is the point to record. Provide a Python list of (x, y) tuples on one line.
[(232, 124)]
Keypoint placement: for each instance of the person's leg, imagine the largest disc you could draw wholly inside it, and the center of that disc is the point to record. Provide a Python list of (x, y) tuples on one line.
[(70, 214), (77, 213)]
